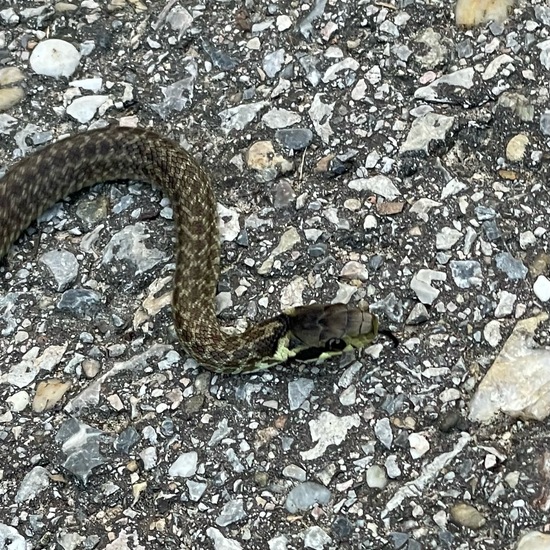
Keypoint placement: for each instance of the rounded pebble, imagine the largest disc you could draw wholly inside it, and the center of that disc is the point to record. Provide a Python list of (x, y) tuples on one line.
[(467, 516), (54, 58), (541, 288)]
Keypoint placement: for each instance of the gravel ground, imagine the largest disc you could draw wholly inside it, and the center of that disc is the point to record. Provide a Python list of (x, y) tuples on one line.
[(359, 151)]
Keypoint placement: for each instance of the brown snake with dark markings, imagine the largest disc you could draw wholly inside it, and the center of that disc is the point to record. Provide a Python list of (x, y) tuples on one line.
[(312, 332)]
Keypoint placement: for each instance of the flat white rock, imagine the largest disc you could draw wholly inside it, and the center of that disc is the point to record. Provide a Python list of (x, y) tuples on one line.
[(84, 108), (518, 381), (55, 58), (541, 288)]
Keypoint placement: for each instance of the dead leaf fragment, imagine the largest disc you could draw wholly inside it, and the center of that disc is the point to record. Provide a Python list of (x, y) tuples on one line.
[(508, 175), (48, 394), (390, 208)]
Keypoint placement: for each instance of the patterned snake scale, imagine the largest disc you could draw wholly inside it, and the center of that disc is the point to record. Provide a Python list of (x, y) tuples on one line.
[(306, 333)]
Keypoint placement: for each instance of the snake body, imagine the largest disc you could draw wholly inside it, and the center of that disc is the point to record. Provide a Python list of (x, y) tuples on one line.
[(38, 181)]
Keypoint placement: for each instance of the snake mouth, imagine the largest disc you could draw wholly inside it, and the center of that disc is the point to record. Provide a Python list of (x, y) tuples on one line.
[(334, 346)]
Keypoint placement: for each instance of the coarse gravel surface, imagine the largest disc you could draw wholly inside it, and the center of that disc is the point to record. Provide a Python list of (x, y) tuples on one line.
[(345, 171)]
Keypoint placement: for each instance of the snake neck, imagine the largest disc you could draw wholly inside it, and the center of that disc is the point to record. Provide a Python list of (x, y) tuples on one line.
[(204, 339)]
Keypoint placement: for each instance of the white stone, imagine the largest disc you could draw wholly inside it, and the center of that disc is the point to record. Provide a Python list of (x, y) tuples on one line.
[(541, 288), (185, 465), (254, 44), (92, 84), (283, 23), (491, 333), (84, 108), (493, 69), (280, 118), (419, 445), (421, 285), (354, 270), (534, 540), (452, 187), (526, 239), (517, 383), (379, 184), (346, 64), (55, 58), (327, 430), (370, 222), (447, 238), (18, 401), (505, 304)]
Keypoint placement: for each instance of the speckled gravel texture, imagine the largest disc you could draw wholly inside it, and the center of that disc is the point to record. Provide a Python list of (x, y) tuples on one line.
[(373, 450)]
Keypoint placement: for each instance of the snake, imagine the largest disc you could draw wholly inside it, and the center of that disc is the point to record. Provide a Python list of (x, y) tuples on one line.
[(306, 333)]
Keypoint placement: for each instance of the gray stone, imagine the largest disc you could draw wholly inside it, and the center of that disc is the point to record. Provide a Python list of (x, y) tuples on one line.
[(381, 185), (316, 538), (424, 130), (321, 115), (309, 64), (463, 78), (298, 391), (283, 194), (317, 250), (491, 230), (418, 315), (80, 302), (34, 482), (232, 512), (390, 306), (128, 245), (273, 62), (126, 440), (80, 444), (238, 118), (294, 138), (545, 123), (466, 273), (304, 496), (484, 213), (383, 432), (63, 265), (305, 26), (219, 58), (514, 269), (179, 94)]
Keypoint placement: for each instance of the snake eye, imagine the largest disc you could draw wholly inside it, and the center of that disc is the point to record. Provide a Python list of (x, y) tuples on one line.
[(335, 344)]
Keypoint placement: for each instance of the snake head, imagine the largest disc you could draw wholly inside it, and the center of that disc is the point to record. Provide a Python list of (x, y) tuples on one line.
[(317, 332)]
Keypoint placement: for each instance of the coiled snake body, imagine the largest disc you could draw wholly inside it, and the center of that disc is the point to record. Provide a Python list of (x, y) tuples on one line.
[(38, 181)]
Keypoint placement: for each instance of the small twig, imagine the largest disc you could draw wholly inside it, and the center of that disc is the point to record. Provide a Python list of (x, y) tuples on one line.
[(301, 170), (385, 5)]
